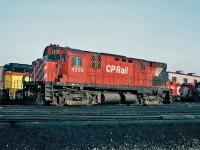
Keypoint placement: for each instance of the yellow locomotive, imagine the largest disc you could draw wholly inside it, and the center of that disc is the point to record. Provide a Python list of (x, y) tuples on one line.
[(12, 76)]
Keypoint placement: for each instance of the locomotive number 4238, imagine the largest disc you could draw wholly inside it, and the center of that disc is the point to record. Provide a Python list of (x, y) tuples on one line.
[(77, 69)]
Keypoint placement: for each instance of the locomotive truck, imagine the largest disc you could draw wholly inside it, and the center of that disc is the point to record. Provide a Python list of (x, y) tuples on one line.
[(71, 76)]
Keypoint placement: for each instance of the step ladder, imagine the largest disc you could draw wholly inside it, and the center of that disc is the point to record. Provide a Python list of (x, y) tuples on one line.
[(48, 92)]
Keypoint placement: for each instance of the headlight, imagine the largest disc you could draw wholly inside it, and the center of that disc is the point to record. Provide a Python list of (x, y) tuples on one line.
[(39, 87)]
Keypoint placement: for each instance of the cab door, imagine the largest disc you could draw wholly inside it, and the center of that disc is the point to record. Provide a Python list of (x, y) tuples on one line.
[(63, 65)]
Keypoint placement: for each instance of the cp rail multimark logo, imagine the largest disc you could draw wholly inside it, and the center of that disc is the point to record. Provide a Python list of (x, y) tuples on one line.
[(117, 69)]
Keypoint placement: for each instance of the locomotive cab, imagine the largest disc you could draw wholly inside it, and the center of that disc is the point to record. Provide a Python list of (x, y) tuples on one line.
[(53, 66), (54, 54)]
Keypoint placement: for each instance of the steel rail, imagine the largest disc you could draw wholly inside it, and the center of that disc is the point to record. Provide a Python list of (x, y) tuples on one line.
[(32, 118)]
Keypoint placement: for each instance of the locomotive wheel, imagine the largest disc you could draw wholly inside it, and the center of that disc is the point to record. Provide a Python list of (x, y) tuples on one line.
[(39, 99)]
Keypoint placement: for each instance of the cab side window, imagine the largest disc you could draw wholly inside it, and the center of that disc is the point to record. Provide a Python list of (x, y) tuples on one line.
[(63, 58), (76, 61)]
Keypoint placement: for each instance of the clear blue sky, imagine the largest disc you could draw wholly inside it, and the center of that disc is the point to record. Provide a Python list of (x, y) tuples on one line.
[(158, 30)]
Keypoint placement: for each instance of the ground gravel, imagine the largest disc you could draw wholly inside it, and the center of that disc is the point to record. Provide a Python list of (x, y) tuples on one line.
[(62, 136)]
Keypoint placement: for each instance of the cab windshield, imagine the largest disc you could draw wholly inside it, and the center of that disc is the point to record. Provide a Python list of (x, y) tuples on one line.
[(52, 57)]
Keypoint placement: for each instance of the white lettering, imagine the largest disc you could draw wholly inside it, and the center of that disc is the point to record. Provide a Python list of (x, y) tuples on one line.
[(55, 51), (117, 69), (108, 67), (76, 69), (126, 70), (123, 70), (113, 68)]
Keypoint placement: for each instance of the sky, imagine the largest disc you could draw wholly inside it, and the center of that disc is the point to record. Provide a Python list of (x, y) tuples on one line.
[(157, 30)]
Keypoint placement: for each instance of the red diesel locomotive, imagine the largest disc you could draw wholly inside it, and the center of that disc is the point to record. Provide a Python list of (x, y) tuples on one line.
[(70, 76)]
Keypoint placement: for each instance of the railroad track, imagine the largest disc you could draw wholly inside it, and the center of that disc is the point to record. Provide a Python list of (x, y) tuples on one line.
[(127, 118), (177, 112)]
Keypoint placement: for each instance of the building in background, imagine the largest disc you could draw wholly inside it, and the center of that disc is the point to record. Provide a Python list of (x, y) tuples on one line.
[(181, 77)]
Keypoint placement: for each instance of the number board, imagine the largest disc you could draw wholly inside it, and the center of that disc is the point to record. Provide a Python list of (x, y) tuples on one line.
[(55, 51)]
